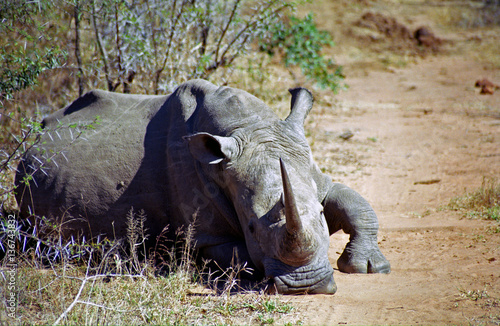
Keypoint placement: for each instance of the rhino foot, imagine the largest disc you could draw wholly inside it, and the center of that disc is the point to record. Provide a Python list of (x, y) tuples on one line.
[(363, 257)]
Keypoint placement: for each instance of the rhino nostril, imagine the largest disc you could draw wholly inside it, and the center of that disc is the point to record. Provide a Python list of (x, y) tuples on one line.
[(251, 226), (271, 288), (327, 286)]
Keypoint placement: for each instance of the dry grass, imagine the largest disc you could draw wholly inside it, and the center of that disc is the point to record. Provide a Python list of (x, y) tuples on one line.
[(69, 294), (108, 283), (481, 298), (482, 203)]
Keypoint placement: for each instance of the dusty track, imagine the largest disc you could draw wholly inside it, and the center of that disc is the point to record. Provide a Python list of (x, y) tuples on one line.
[(422, 135)]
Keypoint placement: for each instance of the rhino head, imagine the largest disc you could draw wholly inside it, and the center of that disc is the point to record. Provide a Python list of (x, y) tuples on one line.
[(267, 171)]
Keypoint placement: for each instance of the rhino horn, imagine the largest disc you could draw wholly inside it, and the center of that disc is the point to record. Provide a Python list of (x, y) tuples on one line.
[(296, 246), (293, 223), (302, 102)]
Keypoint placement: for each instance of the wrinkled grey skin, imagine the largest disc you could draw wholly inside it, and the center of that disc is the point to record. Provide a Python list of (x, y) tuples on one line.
[(216, 153)]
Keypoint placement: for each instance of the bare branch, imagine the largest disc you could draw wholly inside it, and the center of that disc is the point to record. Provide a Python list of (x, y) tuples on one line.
[(224, 61), (76, 14), (224, 31), (102, 50), (118, 47), (169, 46), (80, 290)]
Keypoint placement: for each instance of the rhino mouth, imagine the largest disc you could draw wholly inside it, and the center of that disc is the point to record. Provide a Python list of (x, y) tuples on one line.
[(309, 279)]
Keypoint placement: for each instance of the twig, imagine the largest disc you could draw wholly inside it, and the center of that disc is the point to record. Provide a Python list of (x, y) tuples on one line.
[(171, 37), (224, 31), (223, 61), (251, 24), (65, 313), (102, 50), (77, 46), (153, 32), (104, 307), (82, 286), (20, 143), (118, 47)]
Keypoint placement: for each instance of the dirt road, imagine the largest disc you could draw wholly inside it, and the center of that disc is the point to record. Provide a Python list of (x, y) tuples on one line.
[(422, 135)]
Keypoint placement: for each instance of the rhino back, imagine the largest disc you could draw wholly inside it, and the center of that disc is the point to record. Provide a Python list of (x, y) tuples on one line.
[(87, 173)]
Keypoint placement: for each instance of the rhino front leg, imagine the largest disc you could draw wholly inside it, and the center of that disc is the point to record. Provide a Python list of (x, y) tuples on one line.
[(345, 209)]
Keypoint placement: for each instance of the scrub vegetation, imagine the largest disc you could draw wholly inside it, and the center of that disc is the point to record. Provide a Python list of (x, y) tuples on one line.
[(123, 283), (484, 202)]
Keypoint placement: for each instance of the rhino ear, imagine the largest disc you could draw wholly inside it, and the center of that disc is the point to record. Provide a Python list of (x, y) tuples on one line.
[(211, 149), (302, 102)]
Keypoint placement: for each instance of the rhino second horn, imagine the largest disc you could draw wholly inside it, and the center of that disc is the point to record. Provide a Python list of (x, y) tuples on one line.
[(293, 222), (302, 102)]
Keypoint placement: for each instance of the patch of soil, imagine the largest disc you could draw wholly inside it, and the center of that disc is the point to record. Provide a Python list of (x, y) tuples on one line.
[(400, 37)]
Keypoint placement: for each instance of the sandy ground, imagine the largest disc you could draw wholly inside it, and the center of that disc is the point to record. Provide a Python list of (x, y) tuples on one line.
[(422, 135)]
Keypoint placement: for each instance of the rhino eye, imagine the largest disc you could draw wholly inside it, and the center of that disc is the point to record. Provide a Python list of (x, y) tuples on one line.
[(251, 227)]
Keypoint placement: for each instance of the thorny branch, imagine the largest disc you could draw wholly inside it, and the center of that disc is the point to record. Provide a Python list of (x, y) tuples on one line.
[(82, 287)]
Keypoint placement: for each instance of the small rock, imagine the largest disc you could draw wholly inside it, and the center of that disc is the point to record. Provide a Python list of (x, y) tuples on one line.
[(346, 135), (487, 87), (426, 38), (427, 182)]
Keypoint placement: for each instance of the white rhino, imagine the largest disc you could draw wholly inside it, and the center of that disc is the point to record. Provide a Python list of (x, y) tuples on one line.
[(217, 154)]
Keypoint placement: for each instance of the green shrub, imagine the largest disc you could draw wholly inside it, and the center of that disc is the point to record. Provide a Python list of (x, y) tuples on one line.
[(300, 43), (156, 45), (22, 57)]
